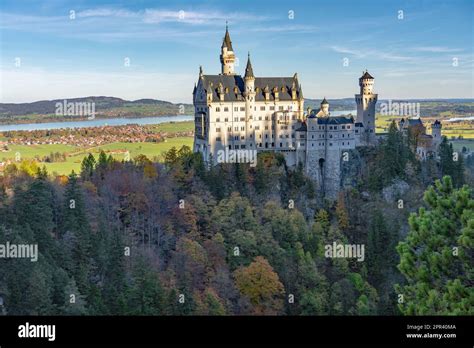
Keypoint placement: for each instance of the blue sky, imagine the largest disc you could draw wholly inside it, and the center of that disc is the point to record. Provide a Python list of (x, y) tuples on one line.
[(426, 54)]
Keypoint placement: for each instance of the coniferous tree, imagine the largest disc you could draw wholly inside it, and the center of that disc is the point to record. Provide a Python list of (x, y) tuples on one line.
[(436, 257)]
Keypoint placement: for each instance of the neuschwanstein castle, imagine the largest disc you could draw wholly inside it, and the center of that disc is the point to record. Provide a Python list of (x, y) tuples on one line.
[(234, 112)]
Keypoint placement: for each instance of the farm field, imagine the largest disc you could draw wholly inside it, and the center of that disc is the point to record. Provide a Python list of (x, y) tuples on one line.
[(74, 155), (452, 130)]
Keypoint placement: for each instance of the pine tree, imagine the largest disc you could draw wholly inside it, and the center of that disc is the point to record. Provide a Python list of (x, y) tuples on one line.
[(436, 257), (76, 226)]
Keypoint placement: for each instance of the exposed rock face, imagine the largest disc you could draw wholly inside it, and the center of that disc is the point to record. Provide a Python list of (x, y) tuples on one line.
[(351, 168), (393, 192)]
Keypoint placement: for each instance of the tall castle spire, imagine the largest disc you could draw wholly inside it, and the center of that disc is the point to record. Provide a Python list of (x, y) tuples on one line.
[(249, 69), (227, 54)]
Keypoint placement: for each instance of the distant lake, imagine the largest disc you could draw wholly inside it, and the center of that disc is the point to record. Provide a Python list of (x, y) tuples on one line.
[(119, 121)]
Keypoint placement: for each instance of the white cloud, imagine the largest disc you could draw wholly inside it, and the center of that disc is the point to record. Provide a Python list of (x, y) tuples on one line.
[(436, 49)]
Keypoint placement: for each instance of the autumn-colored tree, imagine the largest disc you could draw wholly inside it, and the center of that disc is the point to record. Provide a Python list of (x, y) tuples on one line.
[(261, 285), (341, 212)]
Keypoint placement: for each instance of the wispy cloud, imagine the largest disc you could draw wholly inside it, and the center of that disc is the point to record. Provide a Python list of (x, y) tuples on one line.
[(436, 49), (383, 55)]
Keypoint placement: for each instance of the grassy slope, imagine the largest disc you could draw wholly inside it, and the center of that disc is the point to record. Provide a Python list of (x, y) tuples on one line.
[(75, 154)]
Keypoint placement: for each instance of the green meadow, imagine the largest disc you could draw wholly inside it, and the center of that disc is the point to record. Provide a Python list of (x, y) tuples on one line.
[(74, 155)]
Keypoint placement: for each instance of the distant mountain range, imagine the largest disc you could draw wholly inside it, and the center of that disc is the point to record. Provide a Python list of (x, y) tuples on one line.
[(45, 107), (105, 107)]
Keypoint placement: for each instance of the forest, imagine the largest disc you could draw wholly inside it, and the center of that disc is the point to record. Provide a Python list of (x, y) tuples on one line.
[(179, 238)]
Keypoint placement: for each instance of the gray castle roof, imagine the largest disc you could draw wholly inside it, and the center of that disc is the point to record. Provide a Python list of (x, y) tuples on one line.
[(248, 69), (335, 120), (234, 87), (414, 121), (367, 75), (227, 42)]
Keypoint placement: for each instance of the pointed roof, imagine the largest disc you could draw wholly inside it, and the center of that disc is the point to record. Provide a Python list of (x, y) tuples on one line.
[(227, 42), (248, 69), (367, 76), (324, 102)]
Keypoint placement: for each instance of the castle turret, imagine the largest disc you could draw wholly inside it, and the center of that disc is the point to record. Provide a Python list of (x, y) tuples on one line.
[(249, 82), (366, 101), (436, 133), (227, 55), (325, 107)]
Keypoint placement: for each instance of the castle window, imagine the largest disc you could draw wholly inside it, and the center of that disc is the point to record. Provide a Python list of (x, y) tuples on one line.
[(312, 136), (229, 129), (242, 146), (230, 147), (292, 135), (259, 118), (236, 146), (281, 144), (266, 136), (280, 108), (312, 144), (226, 119), (330, 144), (226, 109), (348, 127), (242, 108), (266, 127), (218, 130), (272, 108), (242, 137), (236, 108), (330, 136), (236, 137), (266, 118), (312, 128), (218, 109), (357, 131), (218, 119), (343, 135), (255, 108), (335, 127), (242, 128), (287, 136), (262, 108), (218, 138), (242, 119), (236, 129), (343, 127)]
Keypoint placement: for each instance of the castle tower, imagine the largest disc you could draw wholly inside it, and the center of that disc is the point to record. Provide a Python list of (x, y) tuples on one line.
[(366, 101), (436, 134), (325, 107), (249, 83), (227, 55)]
